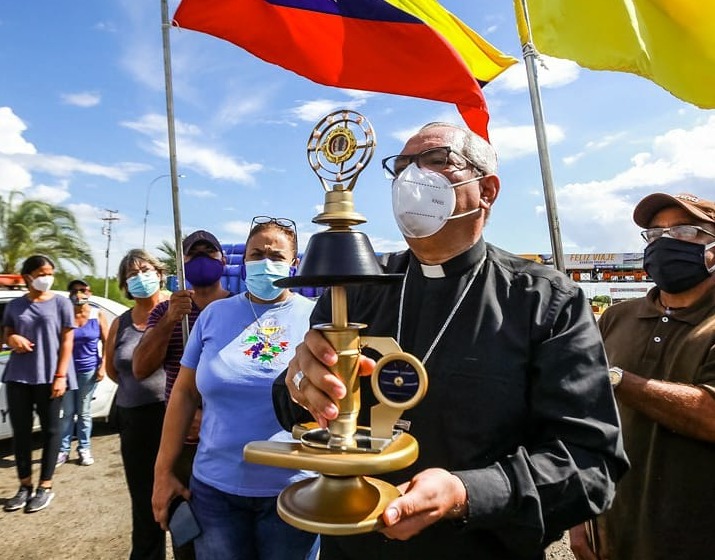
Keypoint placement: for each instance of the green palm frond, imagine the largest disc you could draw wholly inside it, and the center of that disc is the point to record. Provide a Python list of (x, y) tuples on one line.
[(32, 227)]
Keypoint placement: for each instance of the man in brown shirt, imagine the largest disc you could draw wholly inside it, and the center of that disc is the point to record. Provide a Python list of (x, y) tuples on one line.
[(661, 349)]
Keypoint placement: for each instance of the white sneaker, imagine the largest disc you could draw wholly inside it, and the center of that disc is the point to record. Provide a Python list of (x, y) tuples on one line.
[(85, 457), (62, 458)]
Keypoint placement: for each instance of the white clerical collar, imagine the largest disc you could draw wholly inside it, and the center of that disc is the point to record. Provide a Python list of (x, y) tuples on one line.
[(432, 270)]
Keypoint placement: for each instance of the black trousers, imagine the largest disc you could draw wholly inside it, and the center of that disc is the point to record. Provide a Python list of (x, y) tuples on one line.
[(140, 434), (22, 398)]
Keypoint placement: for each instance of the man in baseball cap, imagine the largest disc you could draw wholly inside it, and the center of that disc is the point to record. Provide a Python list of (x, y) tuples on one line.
[(200, 235), (162, 343), (699, 208), (661, 353)]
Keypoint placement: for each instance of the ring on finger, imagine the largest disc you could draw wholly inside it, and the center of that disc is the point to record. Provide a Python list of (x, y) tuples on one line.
[(297, 378)]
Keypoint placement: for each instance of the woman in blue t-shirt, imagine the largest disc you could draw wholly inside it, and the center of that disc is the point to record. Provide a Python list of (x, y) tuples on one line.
[(237, 347), (38, 328), (88, 357)]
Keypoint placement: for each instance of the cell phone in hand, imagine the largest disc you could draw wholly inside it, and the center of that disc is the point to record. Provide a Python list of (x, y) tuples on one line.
[(182, 523)]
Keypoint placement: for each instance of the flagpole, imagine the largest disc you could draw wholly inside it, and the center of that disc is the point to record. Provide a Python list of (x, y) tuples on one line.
[(529, 52), (165, 27)]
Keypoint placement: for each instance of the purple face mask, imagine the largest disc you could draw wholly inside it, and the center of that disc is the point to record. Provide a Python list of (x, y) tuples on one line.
[(203, 270)]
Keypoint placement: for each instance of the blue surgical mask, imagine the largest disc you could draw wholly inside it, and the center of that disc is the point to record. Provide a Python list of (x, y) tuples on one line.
[(260, 276), (144, 284)]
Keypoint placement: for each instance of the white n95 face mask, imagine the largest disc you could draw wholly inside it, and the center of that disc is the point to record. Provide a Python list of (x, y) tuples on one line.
[(423, 201), (43, 283)]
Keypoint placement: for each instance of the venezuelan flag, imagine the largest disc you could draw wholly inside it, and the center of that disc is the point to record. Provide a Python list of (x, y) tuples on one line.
[(368, 45)]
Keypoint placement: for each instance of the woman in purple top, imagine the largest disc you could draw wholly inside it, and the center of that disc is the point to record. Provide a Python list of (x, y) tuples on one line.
[(88, 356), (38, 328)]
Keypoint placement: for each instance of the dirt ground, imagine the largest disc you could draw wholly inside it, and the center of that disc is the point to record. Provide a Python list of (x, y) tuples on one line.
[(89, 518)]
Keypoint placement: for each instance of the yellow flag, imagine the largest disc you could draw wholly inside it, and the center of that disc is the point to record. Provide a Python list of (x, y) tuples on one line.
[(671, 42), (483, 60)]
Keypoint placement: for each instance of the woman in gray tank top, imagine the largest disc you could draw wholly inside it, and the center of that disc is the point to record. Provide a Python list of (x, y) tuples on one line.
[(140, 404)]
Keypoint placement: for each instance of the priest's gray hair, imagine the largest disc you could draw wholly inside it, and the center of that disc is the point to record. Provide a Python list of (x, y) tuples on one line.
[(472, 146)]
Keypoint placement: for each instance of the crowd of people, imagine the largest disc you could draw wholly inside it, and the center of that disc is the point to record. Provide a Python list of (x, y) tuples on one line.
[(537, 419)]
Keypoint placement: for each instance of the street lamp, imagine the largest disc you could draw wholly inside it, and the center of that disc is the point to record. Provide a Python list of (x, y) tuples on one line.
[(146, 207)]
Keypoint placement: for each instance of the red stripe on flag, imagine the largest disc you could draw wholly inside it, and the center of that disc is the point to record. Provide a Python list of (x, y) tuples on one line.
[(401, 58)]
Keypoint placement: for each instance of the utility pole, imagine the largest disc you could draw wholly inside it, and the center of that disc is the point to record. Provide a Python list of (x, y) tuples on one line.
[(107, 230)]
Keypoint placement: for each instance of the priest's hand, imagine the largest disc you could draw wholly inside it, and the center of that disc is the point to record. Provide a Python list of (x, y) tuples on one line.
[(431, 495), (311, 383)]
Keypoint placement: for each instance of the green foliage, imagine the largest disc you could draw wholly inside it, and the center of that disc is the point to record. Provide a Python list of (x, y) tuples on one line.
[(167, 255), (30, 227), (601, 299), (96, 284)]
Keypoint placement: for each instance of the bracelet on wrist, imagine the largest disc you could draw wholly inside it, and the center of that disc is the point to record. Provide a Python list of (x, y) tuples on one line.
[(60, 376)]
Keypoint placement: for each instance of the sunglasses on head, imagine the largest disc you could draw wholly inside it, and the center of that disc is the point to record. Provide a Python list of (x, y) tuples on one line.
[(282, 222)]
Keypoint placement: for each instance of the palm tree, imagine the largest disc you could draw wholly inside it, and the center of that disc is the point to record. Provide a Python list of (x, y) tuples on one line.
[(35, 227), (168, 257)]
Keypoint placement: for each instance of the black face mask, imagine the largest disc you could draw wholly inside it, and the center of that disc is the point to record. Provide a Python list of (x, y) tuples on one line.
[(674, 265)]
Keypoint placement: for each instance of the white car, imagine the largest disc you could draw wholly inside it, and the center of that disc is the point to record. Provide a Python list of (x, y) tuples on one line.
[(103, 398)]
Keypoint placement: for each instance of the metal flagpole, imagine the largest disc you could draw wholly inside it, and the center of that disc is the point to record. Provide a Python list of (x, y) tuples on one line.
[(165, 27), (529, 52)]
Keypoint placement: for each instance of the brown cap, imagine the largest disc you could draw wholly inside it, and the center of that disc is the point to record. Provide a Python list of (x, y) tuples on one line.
[(200, 235), (700, 209)]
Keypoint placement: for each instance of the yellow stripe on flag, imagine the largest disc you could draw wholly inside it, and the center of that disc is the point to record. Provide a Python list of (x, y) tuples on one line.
[(671, 42), (484, 61)]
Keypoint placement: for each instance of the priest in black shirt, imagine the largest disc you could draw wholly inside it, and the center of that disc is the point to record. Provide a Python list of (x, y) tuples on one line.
[(519, 435)]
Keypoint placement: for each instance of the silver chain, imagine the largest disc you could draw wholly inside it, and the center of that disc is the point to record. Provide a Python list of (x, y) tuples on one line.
[(452, 313)]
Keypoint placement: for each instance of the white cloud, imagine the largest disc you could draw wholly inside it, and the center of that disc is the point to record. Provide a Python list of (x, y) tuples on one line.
[(593, 146), (211, 161), (512, 142), (141, 45), (446, 116), (65, 166), (107, 26), (678, 161), (190, 153), (312, 111), (11, 130), (237, 107), (239, 228), (605, 141), (199, 193), (155, 124), (570, 160), (358, 94), (82, 99), (553, 73), (13, 176), (19, 158), (53, 194)]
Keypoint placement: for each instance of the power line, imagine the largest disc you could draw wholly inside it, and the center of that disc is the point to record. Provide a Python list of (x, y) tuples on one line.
[(107, 230)]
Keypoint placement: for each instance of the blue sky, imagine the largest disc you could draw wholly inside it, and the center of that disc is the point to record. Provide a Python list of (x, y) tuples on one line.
[(82, 124)]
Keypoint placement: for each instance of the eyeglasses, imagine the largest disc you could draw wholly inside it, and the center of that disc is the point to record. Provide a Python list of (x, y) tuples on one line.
[(683, 233), (434, 159), (282, 222)]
